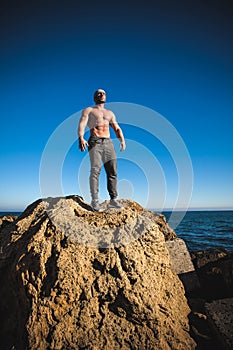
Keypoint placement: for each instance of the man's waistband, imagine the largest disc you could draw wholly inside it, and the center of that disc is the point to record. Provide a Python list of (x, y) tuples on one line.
[(95, 138)]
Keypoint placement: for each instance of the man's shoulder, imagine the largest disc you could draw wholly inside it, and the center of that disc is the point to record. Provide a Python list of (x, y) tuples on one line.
[(87, 110)]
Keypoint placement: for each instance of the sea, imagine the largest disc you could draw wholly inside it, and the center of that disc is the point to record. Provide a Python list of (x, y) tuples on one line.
[(199, 229), (204, 229)]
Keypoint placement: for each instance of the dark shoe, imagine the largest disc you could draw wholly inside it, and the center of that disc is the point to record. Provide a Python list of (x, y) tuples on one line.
[(95, 205), (114, 204)]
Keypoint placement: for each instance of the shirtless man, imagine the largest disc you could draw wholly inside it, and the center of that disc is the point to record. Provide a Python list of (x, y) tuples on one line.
[(100, 147)]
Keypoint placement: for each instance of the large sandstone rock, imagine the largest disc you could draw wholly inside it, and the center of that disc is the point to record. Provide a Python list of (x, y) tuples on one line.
[(182, 265), (75, 279)]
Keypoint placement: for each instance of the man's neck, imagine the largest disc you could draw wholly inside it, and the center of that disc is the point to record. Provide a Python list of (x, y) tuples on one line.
[(100, 105)]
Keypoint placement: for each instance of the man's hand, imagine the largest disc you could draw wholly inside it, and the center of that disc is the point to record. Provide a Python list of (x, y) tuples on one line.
[(122, 146), (82, 144)]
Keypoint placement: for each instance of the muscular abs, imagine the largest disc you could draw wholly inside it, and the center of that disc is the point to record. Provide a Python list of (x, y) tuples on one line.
[(98, 122)]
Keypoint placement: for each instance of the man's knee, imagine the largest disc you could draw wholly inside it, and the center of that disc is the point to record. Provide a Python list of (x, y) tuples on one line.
[(111, 167), (95, 171)]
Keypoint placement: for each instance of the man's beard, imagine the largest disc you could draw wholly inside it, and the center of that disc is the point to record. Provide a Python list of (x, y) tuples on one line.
[(98, 102)]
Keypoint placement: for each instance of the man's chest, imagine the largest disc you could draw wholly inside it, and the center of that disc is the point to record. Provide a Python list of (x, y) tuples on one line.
[(99, 117)]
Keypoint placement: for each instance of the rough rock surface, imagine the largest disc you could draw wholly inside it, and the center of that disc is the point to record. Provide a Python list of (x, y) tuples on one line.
[(215, 270), (204, 257), (6, 219), (75, 279), (182, 265), (220, 312)]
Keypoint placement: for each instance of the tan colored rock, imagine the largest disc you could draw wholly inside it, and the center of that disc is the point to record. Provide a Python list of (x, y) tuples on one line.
[(74, 279), (182, 265)]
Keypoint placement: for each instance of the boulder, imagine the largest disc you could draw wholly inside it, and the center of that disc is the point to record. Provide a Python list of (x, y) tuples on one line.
[(7, 219), (72, 278), (220, 314), (182, 265), (203, 257), (215, 270)]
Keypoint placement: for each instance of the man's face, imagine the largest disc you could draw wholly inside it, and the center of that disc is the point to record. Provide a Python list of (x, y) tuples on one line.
[(100, 97)]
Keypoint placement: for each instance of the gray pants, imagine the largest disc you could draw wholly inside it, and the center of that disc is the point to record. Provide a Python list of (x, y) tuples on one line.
[(101, 151)]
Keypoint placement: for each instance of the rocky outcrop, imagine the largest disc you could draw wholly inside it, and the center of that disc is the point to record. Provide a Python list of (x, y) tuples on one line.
[(75, 279), (215, 270), (182, 265), (220, 315), (211, 304), (7, 219)]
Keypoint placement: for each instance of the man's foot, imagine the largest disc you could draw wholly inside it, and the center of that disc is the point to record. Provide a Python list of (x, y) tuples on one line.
[(114, 204), (95, 205)]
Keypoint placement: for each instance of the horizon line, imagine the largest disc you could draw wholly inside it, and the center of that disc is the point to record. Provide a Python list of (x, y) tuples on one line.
[(154, 209)]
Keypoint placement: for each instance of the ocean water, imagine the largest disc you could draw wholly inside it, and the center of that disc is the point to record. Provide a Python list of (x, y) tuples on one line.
[(199, 229), (205, 229), (2, 213)]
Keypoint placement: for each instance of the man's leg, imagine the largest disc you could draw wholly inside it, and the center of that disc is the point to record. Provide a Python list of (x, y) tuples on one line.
[(111, 171), (110, 165), (95, 154)]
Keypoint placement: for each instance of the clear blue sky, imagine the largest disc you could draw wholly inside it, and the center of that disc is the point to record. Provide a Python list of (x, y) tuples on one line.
[(175, 57)]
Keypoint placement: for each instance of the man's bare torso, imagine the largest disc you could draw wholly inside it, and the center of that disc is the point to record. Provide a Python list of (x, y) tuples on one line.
[(98, 121)]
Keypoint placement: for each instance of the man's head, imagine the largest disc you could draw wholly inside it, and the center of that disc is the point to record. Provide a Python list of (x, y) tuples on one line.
[(99, 96)]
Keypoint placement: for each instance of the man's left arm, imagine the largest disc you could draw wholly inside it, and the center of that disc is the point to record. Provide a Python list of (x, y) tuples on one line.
[(118, 132)]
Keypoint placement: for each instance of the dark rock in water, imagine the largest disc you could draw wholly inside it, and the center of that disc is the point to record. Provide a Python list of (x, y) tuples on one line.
[(215, 270), (7, 219), (76, 279), (220, 313), (204, 257)]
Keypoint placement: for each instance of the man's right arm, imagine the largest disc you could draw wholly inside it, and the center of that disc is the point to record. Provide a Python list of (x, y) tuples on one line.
[(81, 129)]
